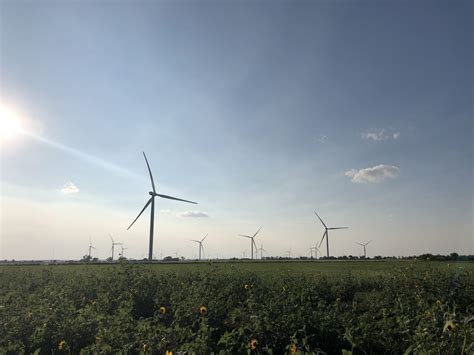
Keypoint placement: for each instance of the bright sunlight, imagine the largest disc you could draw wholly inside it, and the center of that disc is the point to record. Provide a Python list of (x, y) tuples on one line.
[(10, 124)]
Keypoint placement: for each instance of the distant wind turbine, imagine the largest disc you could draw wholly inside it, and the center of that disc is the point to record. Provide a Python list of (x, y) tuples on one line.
[(151, 201), (311, 251), (316, 251), (261, 250), (90, 248), (113, 246), (252, 241), (364, 245), (326, 233), (201, 248)]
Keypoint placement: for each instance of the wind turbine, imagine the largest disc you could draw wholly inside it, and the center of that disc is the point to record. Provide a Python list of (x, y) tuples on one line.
[(311, 251), (151, 201), (364, 245), (261, 251), (326, 233), (201, 248), (113, 245), (252, 241), (90, 247)]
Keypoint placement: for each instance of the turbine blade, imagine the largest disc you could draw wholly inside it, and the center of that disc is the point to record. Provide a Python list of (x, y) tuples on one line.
[(368, 242), (338, 228), (320, 219), (246, 236), (144, 208), (110, 236), (256, 232), (175, 198), (204, 238), (192, 240), (321, 242), (360, 244), (149, 170)]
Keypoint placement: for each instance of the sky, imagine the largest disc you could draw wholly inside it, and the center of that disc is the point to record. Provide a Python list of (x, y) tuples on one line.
[(261, 111)]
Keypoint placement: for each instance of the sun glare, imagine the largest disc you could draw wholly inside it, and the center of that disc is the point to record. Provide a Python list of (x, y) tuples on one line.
[(10, 124)]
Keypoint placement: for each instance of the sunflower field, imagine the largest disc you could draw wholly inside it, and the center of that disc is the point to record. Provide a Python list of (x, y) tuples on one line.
[(223, 308)]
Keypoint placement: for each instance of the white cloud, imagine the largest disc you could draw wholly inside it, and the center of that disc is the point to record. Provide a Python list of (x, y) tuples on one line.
[(374, 174), (322, 138), (197, 214), (378, 135), (70, 189)]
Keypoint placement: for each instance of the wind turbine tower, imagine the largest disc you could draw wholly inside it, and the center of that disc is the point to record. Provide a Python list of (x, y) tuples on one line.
[(201, 248), (326, 233), (113, 246), (252, 241), (364, 245), (90, 248), (151, 201)]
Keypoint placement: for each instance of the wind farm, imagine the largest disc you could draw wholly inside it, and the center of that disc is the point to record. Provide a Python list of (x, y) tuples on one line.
[(146, 145)]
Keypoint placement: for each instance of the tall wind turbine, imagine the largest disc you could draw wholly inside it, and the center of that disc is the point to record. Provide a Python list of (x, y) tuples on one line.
[(90, 248), (326, 233), (252, 241), (151, 201), (113, 245), (364, 245), (311, 251), (201, 248)]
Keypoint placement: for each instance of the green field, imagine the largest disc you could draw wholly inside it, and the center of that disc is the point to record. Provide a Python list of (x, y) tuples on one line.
[(238, 307)]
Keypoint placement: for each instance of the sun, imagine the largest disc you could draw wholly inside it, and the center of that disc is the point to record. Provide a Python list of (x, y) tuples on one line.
[(10, 124)]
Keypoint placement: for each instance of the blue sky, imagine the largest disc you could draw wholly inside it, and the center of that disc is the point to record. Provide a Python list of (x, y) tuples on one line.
[(260, 111)]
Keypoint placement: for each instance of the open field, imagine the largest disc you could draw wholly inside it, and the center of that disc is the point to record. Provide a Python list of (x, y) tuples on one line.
[(239, 307)]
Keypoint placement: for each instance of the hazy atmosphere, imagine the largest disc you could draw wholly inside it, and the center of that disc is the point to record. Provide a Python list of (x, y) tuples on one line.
[(262, 112)]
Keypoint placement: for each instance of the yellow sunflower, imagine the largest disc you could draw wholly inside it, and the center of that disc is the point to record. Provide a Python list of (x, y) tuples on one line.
[(293, 348), (450, 326), (168, 352), (253, 344), (203, 310), (163, 310), (62, 345)]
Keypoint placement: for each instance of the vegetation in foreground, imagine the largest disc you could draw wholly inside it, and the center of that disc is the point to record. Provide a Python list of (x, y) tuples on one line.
[(230, 310)]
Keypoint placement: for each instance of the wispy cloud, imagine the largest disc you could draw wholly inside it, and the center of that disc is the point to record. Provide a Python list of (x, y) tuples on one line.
[(69, 189), (378, 135), (322, 138), (195, 214), (374, 174)]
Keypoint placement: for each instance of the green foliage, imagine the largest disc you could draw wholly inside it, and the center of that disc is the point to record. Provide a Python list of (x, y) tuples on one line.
[(116, 309)]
